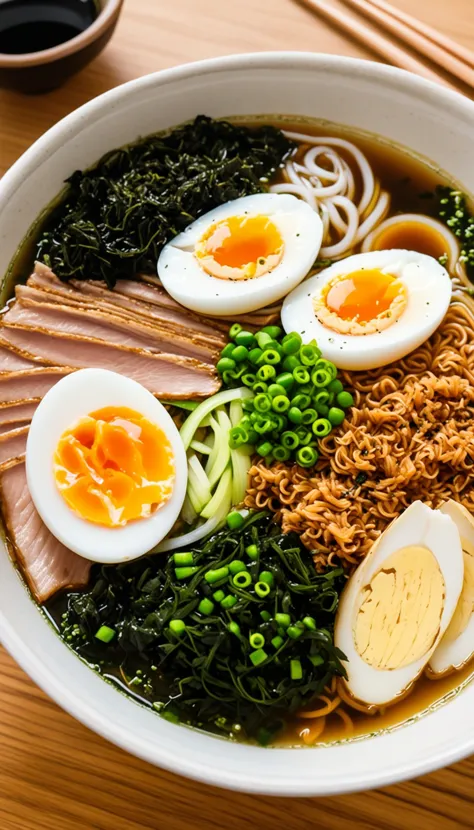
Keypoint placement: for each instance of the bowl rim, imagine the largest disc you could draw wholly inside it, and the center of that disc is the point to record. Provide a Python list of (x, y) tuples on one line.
[(106, 17), (51, 683)]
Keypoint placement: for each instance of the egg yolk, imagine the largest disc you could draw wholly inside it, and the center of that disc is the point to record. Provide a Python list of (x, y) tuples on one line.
[(113, 466), (412, 236), (240, 247), (363, 295)]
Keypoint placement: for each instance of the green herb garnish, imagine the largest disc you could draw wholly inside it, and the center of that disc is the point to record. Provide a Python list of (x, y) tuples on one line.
[(240, 654), (454, 212), (117, 216)]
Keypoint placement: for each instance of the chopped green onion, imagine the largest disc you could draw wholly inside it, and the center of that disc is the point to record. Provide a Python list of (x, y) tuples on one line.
[(322, 427), (225, 364), (296, 670), (309, 622), (309, 355), (302, 400), (270, 356), (280, 403), (265, 448), (306, 456), (320, 377), (295, 415), (206, 606), (321, 397), (228, 351), (281, 453), (336, 416), (290, 363), (266, 616), (301, 375), (245, 338), (235, 520), (316, 659), (322, 409), (105, 634), (266, 372), (217, 574), (248, 379), (262, 403), (286, 380), (218, 595), (234, 628), (294, 632), (277, 641), (183, 558), (252, 552), (276, 389), (242, 579), (185, 573), (266, 576), (178, 627), (291, 343), (262, 589), (260, 388), (304, 435), (257, 640), (308, 416), (229, 601), (257, 657), (335, 386), (234, 330), (345, 399), (273, 331), (283, 619), (237, 566), (263, 339), (240, 354), (255, 355)]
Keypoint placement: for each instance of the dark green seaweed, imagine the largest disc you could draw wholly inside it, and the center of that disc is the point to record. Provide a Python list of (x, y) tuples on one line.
[(205, 676), (118, 215)]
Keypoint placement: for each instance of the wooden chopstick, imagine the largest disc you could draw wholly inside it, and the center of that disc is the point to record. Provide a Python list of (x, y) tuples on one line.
[(423, 45), (457, 49), (374, 41)]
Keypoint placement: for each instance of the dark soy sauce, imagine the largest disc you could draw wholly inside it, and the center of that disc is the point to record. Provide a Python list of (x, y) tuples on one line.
[(35, 25)]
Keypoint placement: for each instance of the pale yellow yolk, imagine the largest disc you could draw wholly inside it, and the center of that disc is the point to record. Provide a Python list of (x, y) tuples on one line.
[(465, 607), (400, 611), (114, 466), (240, 247), (361, 302)]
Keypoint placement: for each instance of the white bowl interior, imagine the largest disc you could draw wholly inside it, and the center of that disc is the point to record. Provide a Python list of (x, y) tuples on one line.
[(432, 122)]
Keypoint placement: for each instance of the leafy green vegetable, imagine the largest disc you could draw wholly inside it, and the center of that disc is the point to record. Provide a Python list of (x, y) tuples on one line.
[(211, 669), (454, 212), (118, 215)]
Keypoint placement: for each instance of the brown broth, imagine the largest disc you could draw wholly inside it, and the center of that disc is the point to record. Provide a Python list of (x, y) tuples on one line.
[(411, 182)]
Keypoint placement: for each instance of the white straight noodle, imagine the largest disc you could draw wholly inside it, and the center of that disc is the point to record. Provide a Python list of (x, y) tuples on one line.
[(347, 242), (296, 190), (379, 212)]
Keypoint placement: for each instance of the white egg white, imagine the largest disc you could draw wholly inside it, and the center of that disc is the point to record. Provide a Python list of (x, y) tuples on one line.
[(417, 526), (429, 291), (457, 646), (181, 274), (73, 397)]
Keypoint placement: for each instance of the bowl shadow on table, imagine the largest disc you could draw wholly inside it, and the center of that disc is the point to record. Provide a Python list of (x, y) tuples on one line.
[(61, 776)]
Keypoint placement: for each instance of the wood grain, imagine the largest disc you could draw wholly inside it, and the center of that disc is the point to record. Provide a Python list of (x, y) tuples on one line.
[(54, 773)]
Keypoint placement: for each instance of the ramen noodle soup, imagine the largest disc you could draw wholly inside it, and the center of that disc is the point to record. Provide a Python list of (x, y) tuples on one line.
[(236, 428)]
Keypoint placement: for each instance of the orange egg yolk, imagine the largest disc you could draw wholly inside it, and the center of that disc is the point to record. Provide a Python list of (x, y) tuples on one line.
[(412, 236), (363, 295), (240, 247), (113, 466)]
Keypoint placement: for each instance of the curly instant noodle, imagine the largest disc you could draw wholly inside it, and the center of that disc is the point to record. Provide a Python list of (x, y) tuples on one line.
[(409, 435)]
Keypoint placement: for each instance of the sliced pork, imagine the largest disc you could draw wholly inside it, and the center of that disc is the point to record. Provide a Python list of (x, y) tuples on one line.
[(12, 446), (12, 362), (167, 376), (30, 383), (15, 413), (91, 322), (48, 566)]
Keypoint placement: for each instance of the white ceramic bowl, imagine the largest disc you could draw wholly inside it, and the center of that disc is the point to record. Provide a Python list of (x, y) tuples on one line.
[(427, 118)]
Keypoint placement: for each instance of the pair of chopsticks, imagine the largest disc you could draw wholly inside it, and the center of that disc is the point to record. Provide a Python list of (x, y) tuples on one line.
[(444, 56)]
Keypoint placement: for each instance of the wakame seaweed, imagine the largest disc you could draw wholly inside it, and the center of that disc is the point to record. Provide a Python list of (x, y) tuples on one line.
[(117, 216), (204, 675)]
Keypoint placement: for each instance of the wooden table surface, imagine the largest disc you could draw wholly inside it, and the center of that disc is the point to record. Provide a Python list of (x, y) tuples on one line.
[(54, 773)]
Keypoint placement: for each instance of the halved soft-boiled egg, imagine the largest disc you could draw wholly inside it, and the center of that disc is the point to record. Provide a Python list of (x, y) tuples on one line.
[(243, 255), (398, 604), (106, 467), (457, 646), (370, 309)]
